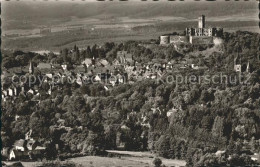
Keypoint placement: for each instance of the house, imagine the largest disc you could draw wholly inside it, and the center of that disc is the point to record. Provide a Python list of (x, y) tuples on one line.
[(120, 56), (79, 81), (153, 76), (61, 122), (156, 110), (49, 75), (49, 91), (169, 65), (102, 76), (10, 92), (157, 66), (28, 148), (4, 93), (28, 135), (16, 117), (121, 78), (116, 62), (16, 154), (64, 66), (32, 144), (97, 78), (31, 91), (131, 114), (19, 71), (44, 66), (103, 62), (139, 67), (124, 127), (129, 58), (19, 145), (195, 67), (56, 66), (219, 152), (113, 80), (106, 88), (5, 152), (119, 144), (39, 149), (255, 157), (88, 62), (34, 153), (124, 57), (170, 112), (129, 69), (80, 68)]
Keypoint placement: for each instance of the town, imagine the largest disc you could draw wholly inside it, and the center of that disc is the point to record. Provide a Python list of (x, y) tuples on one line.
[(123, 69), (118, 91)]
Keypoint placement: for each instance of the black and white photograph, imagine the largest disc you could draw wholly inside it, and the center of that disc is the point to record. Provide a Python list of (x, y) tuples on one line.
[(130, 83)]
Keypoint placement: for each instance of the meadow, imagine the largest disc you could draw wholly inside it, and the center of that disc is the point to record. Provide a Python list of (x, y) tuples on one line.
[(126, 158)]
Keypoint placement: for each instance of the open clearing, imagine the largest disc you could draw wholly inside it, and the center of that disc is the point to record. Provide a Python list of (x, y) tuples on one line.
[(128, 158)]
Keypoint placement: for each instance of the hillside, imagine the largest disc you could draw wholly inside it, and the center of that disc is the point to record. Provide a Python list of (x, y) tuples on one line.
[(189, 119)]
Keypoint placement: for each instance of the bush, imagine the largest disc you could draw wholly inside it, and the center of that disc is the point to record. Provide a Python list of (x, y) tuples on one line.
[(242, 160), (59, 164), (157, 162)]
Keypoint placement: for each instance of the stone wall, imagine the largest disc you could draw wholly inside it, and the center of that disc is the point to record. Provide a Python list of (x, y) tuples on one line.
[(179, 39), (164, 40), (201, 40)]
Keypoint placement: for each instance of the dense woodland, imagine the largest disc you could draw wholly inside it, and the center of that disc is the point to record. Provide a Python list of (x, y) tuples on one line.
[(206, 117)]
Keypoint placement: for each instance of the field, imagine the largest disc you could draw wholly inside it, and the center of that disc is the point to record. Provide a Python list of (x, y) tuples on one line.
[(128, 158), (96, 23), (107, 32)]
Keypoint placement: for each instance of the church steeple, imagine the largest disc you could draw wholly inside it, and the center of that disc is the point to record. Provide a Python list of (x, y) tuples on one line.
[(31, 68), (248, 70), (237, 63)]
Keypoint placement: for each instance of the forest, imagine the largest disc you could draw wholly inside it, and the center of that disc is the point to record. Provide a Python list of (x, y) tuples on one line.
[(205, 118)]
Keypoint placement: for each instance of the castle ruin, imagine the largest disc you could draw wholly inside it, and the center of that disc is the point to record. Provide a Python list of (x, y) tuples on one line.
[(200, 35), (203, 31)]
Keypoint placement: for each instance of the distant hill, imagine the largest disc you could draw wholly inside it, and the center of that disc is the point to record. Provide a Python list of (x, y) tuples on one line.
[(37, 12)]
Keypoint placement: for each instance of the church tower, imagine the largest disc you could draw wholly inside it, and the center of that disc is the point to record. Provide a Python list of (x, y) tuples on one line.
[(248, 70), (237, 63), (31, 68)]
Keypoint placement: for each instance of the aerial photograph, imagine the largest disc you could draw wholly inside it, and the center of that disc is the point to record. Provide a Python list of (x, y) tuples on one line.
[(130, 83)]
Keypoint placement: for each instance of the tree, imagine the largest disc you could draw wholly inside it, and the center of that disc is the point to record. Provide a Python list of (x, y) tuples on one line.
[(88, 53), (65, 55), (94, 51), (163, 146), (94, 144), (243, 160), (206, 96), (157, 162)]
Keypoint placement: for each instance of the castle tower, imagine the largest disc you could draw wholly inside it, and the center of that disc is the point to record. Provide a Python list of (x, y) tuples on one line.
[(31, 69), (201, 22)]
